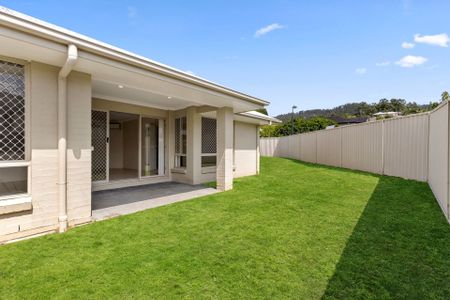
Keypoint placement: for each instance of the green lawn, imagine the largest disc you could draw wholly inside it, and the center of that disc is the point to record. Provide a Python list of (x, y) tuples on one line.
[(296, 231)]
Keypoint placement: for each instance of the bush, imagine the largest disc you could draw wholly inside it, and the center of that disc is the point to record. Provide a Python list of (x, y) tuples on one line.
[(296, 126)]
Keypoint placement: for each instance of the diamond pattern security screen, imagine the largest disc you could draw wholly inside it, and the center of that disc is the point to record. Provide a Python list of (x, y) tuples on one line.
[(209, 135), (12, 111), (99, 121), (180, 142), (180, 135)]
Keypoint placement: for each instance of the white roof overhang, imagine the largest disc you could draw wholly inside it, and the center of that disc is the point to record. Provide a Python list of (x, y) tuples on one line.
[(144, 81), (251, 117)]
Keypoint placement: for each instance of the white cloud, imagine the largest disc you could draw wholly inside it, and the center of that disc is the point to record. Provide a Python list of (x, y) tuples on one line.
[(383, 64), (190, 73), (262, 31), (440, 40), (360, 71), (132, 12), (410, 61), (406, 45)]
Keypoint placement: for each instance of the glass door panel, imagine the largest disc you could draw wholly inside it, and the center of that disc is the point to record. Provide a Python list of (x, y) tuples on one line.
[(150, 146)]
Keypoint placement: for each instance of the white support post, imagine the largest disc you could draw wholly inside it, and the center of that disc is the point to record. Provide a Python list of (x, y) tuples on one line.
[(224, 175), (193, 153), (161, 150)]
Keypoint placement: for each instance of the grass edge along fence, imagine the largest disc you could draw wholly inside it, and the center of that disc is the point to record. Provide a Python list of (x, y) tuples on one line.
[(412, 147)]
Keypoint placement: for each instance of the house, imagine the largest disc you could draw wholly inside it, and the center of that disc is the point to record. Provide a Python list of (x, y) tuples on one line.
[(387, 114), (78, 115), (347, 121)]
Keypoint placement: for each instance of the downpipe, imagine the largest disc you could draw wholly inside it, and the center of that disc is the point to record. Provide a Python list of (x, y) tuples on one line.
[(72, 57)]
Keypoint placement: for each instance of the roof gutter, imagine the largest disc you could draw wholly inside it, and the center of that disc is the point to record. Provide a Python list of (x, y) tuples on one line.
[(72, 57), (37, 27)]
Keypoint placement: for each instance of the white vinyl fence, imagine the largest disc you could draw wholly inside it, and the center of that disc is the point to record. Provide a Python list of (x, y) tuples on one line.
[(413, 147)]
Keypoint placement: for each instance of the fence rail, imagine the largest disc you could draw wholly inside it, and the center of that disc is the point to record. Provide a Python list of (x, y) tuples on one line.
[(413, 147)]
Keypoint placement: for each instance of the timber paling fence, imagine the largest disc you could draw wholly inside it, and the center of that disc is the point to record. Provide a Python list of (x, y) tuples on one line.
[(413, 147)]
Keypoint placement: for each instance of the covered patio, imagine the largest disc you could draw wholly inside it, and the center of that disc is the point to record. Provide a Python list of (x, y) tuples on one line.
[(117, 202)]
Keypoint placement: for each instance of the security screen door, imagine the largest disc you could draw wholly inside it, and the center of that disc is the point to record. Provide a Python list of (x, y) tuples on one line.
[(100, 136)]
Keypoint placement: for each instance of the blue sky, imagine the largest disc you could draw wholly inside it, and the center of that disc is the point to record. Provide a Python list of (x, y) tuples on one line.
[(313, 54)]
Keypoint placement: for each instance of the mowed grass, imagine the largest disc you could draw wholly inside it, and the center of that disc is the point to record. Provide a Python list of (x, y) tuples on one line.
[(295, 231)]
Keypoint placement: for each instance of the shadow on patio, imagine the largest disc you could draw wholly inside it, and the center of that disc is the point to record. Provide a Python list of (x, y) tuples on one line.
[(112, 203), (400, 247)]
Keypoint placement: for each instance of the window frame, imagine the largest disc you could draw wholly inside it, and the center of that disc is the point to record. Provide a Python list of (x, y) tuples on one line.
[(27, 160), (178, 155)]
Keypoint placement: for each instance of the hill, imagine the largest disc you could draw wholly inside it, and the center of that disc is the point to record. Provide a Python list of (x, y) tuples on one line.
[(362, 109)]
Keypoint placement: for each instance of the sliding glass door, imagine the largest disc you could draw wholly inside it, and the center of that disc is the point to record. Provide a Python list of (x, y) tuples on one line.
[(152, 147), (126, 146)]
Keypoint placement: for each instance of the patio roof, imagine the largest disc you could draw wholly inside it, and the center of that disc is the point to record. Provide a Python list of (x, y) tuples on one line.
[(27, 38)]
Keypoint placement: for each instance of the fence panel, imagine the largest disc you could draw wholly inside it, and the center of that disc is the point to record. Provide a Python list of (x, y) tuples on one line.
[(329, 147), (283, 146), (268, 146), (438, 156), (308, 144), (362, 147), (294, 146), (406, 147)]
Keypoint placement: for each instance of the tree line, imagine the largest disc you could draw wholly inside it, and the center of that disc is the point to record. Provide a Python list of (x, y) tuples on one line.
[(317, 119)]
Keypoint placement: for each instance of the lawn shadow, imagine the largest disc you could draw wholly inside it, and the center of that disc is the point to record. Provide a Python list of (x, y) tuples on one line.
[(399, 248), (327, 167)]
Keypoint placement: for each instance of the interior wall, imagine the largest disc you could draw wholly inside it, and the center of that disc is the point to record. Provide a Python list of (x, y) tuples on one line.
[(130, 144)]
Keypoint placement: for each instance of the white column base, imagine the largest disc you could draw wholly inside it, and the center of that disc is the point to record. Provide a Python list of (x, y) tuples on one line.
[(62, 224)]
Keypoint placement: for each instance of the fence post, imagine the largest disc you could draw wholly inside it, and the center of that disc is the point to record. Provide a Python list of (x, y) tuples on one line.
[(448, 162), (315, 133), (340, 147), (428, 147), (382, 147)]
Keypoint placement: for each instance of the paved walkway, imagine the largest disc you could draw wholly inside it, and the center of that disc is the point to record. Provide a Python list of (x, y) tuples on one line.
[(113, 203)]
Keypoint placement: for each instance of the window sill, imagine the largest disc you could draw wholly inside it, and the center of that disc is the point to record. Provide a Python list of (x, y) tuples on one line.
[(178, 170), (207, 170), (14, 205)]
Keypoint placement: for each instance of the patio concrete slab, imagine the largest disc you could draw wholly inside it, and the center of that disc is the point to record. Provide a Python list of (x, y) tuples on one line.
[(113, 203)]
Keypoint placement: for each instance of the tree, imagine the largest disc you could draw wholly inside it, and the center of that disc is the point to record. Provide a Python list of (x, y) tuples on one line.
[(384, 105), (269, 131), (445, 96), (398, 104), (299, 125), (433, 105), (263, 111)]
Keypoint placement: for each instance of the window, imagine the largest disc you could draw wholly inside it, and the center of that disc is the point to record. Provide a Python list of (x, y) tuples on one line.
[(209, 142), (180, 142), (13, 156)]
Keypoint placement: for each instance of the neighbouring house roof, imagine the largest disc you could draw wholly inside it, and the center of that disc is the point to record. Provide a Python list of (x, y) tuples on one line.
[(25, 23), (341, 120)]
